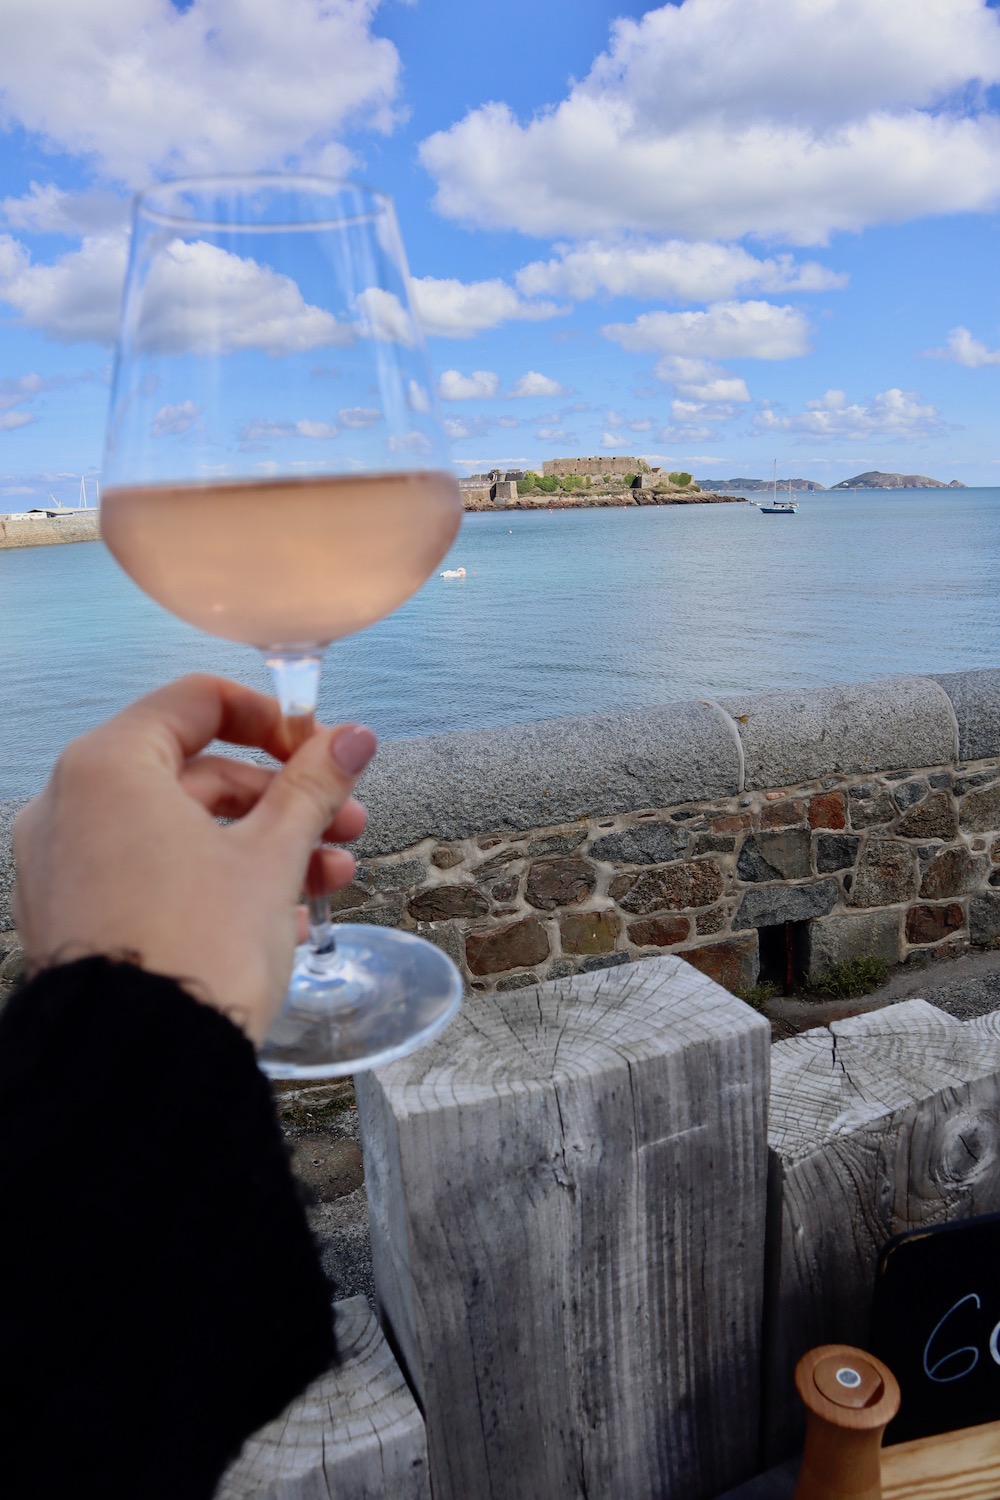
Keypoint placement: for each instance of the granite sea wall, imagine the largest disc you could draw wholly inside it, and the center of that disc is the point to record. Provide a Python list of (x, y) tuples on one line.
[(866, 815), (84, 527)]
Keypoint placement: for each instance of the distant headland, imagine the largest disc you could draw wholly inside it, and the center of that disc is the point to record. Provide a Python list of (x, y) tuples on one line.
[(872, 479)]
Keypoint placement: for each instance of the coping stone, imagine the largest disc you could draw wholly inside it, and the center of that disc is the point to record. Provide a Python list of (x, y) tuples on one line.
[(788, 738), (524, 776), (975, 697)]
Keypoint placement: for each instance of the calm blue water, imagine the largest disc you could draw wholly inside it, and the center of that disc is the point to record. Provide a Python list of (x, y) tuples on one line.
[(561, 613)]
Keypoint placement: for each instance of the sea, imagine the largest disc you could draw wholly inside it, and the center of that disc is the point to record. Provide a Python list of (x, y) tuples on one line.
[(560, 612)]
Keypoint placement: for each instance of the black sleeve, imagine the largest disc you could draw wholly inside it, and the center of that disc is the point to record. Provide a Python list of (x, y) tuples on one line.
[(160, 1293)]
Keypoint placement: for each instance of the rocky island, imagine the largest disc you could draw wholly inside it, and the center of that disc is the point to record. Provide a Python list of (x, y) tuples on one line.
[(575, 483), (875, 480)]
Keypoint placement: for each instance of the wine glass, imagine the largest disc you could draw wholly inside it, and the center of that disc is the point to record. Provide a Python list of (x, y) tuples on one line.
[(275, 472)]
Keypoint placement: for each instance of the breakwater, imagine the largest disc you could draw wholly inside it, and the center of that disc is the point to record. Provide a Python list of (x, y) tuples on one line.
[(84, 527)]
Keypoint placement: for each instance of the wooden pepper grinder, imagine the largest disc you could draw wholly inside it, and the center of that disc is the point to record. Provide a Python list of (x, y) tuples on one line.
[(850, 1398)]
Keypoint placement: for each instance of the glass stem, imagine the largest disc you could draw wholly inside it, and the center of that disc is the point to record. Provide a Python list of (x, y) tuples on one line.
[(296, 684)]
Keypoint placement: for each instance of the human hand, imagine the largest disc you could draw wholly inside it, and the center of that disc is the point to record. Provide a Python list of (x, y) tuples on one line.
[(121, 854)]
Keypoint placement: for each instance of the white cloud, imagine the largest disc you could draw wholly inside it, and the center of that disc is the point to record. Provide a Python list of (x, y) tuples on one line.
[(384, 317), (965, 350), (359, 416), (716, 119), (9, 420), (49, 209), (73, 300), (701, 411), (889, 414), (319, 430), (752, 330), (677, 269), (18, 392), (555, 435), (531, 383), (418, 397), (479, 386), (466, 427), (456, 309), (171, 421), (727, 388), (143, 88), (76, 298), (253, 307)]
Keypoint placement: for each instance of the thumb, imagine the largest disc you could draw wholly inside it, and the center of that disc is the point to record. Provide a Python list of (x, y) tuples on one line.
[(309, 790)]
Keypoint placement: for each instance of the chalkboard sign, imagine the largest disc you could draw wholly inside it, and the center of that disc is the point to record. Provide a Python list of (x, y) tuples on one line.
[(936, 1325)]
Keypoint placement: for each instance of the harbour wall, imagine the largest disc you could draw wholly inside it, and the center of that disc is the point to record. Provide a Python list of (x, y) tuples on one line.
[(73, 528), (866, 816)]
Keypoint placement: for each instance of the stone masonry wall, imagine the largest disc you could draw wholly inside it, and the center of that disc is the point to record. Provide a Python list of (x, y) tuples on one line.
[(595, 467), (896, 865), (869, 813)]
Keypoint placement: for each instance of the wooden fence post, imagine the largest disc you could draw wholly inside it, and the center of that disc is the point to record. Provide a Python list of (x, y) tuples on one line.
[(354, 1432), (887, 1122), (567, 1198)]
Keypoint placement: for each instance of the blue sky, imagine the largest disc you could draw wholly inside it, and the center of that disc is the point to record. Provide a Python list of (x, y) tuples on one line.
[(713, 234)]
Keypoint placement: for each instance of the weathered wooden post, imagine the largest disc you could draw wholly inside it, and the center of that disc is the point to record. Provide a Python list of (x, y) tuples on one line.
[(567, 1201), (355, 1432), (887, 1122)]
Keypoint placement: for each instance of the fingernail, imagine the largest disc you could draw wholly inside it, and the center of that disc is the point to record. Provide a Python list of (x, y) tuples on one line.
[(353, 748)]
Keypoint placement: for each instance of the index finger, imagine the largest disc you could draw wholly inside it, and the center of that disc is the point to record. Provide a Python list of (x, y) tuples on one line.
[(186, 715)]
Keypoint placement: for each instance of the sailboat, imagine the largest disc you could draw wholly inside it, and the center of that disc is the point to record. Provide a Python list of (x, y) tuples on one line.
[(778, 507)]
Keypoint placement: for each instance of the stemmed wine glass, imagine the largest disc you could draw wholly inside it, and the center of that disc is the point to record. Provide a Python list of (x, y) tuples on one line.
[(276, 473)]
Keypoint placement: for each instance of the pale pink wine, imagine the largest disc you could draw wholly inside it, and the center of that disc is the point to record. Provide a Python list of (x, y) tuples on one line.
[(284, 562)]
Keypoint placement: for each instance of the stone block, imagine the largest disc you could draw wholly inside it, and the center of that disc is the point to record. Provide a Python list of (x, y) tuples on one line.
[(556, 882), (447, 936), (775, 855), (984, 917), (554, 771), (558, 843), (783, 814), (770, 904), (515, 947), (647, 844), (589, 931), (836, 851), (659, 932), (929, 924), (401, 877), (869, 811), (934, 818), (713, 920), (847, 729), (951, 872), (979, 812), (714, 843), (887, 873), (603, 961), (827, 811), (734, 963), (446, 859), (975, 699), (698, 883), (849, 935), (444, 901), (909, 793)]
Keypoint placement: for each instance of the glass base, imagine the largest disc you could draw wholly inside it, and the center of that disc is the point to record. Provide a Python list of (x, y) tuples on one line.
[(383, 994)]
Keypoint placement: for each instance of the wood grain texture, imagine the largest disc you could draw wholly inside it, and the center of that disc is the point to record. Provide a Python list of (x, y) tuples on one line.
[(955, 1466), (567, 1203), (354, 1433), (887, 1122)]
